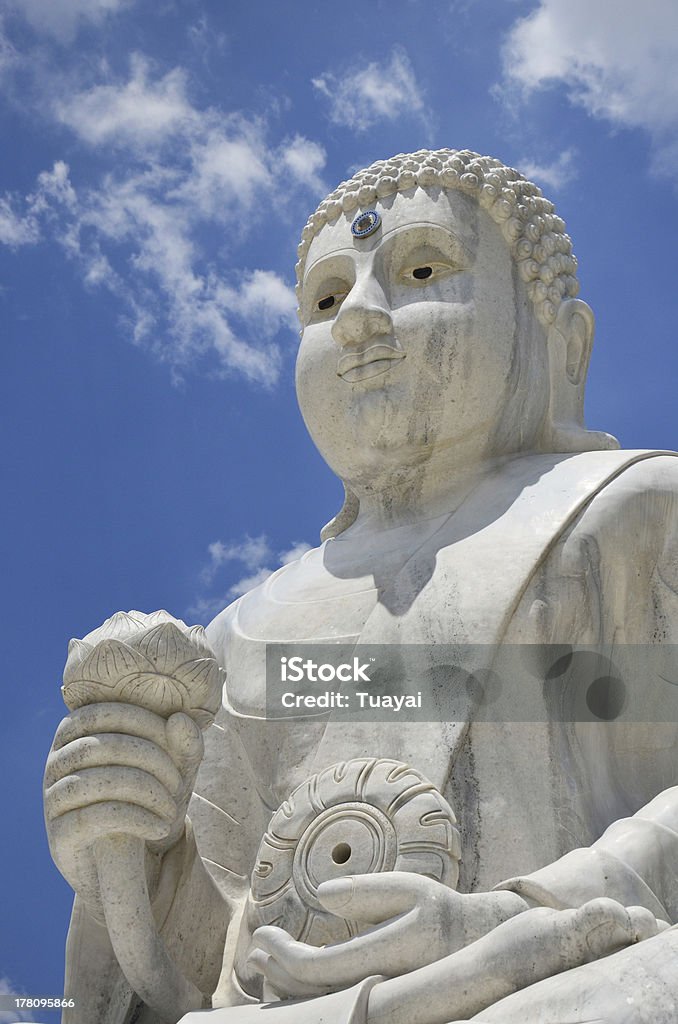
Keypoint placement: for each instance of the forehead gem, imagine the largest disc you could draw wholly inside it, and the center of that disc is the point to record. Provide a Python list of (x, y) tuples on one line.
[(365, 224)]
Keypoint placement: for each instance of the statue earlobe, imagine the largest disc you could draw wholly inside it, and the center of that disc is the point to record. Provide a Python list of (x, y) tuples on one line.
[(576, 323), (569, 341), (347, 515)]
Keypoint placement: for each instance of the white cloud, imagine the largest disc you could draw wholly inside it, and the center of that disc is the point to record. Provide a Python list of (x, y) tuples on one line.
[(133, 241), (617, 61), (137, 113), (7, 988), (139, 231), (262, 299), (21, 222), (555, 175), (255, 554), (294, 553), (54, 188), (305, 159), (231, 167), (16, 228), (378, 92), (251, 552), (62, 18), (248, 583)]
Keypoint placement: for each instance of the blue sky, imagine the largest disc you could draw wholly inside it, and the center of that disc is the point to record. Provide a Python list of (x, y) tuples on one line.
[(159, 160)]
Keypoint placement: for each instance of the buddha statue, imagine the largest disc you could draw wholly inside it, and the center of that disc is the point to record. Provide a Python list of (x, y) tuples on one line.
[(441, 375)]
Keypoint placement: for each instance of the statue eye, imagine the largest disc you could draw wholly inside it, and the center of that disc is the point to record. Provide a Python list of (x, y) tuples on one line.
[(426, 272), (328, 302)]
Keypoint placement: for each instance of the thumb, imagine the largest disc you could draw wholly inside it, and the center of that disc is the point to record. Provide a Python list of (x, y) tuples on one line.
[(375, 898), (185, 742)]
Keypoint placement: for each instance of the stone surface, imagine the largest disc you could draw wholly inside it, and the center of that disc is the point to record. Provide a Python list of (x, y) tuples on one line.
[(441, 374)]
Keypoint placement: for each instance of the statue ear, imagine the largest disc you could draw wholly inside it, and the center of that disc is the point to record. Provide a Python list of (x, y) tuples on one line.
[(569, 342), (576, 324)]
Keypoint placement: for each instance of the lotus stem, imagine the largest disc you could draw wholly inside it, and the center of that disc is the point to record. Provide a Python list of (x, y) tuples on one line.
[(139, 949)]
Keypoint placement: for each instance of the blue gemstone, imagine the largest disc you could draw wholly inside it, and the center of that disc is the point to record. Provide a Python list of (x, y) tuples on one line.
[(365, 224)]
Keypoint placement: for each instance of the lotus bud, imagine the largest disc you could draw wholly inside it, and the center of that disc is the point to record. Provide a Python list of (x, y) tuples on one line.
[(154, 661)]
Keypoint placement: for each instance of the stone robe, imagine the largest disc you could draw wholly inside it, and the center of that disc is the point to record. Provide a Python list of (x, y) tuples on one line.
[(551, 549)]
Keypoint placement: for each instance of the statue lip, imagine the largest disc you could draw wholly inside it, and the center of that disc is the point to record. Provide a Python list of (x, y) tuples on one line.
[(376, 359)]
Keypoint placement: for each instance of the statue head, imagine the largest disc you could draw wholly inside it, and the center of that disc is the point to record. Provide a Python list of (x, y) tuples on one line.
[(438, 304)]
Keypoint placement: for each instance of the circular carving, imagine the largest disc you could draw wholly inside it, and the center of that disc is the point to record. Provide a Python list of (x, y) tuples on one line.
[(357, 817), (362, 834)]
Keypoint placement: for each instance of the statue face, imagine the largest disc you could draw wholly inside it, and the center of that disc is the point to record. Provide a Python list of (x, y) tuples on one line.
[(418, 339)]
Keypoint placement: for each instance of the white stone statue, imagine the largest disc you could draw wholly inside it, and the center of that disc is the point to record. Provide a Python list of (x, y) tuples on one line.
[(441, 375)]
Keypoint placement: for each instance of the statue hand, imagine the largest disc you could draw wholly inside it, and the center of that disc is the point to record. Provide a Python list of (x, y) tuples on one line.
[(415, 920), (117, 769), (539, 952)]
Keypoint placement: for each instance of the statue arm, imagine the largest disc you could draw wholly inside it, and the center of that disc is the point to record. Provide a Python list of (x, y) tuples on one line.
[(117, 783), (632, 862), (193, 915)]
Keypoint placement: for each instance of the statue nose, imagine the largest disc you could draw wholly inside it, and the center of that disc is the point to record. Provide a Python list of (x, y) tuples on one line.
[(363, 315)]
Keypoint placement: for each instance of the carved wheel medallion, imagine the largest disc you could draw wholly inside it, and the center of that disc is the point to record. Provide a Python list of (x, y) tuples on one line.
[(356, 817)]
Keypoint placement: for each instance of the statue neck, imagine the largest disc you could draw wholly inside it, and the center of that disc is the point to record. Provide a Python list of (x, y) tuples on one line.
[(418, 493)]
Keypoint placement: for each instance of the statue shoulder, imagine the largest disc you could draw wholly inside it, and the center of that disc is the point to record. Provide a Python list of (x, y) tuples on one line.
[(613, 570), (643, 496), (219, 629), (295, 581), (657, 473), (629, 530)]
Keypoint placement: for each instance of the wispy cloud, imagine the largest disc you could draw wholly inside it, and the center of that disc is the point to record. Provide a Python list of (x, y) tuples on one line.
[(22, 221), (305, 159), (362, 96), (252, 552), (139, 113), (16, 227), (619, 66), (556, 175), (205, 38), (139, 230), (255, 555), (294, 552), (8, 988), (8, 54), (61, 19)]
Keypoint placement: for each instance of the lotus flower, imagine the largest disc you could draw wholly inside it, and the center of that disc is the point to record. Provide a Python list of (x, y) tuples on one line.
[(155, 661)]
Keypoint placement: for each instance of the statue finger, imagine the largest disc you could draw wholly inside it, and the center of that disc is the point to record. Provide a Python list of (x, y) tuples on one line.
[(93, 785), (596, 929), (282, 984), (186, 745), (387, 949), (605, 925), (377, 897), (644, 923), (111, 717), (112, 749), (105, 818)]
